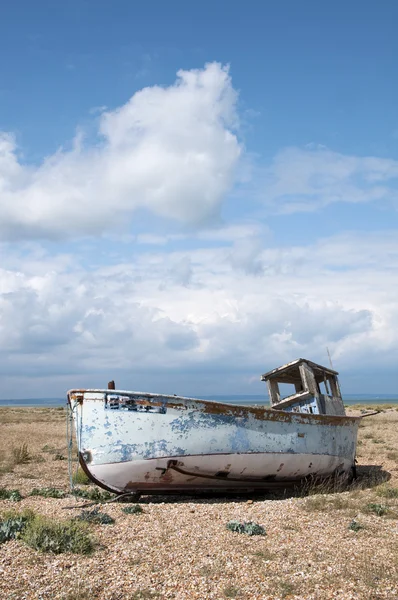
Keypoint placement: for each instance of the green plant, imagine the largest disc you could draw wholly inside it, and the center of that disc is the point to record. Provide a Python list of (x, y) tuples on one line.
[(47, 535), (21, 455), (80, 477), (13, 523), (134, 509), (11, 528), (355, 526), (27, 513), (94, 494), (249, 528), (13, 495), (48, 493), (378, 509), (95, 516)]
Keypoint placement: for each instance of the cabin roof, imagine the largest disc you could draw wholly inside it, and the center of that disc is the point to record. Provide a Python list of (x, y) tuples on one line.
[(290, 372)]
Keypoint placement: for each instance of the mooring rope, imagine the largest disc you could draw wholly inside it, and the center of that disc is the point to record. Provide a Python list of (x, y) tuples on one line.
[(133, 495), (69, 442)]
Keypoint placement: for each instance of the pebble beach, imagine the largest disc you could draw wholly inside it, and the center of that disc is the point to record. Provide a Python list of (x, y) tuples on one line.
[(180, 547)]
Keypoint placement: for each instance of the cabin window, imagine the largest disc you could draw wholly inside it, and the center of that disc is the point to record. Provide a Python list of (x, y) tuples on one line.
[(327, 387), (286, 390)]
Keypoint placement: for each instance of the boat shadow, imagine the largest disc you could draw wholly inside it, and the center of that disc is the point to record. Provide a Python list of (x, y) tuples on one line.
[(369, 476), (366, 477)]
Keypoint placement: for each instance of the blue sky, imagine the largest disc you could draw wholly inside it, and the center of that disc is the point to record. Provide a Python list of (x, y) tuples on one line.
[(191, 194)]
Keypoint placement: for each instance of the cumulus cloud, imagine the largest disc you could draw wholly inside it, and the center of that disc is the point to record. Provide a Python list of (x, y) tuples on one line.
[(213, 297), (171, 151), (200, 315), (311, 178)]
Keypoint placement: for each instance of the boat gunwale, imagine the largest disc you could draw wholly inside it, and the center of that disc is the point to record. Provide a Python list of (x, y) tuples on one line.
[(215, 407)]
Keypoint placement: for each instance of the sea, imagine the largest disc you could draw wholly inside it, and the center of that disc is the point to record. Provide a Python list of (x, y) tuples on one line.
[(234, 399)]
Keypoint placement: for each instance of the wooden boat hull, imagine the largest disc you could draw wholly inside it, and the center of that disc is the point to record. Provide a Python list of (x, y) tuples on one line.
[(135, 442)]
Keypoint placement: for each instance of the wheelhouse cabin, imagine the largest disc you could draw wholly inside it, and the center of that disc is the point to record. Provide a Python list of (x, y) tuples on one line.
[(314, 389)]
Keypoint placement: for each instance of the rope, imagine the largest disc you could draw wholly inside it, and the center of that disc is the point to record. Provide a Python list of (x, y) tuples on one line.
[(69, 441), (371, 414), (89, 504)]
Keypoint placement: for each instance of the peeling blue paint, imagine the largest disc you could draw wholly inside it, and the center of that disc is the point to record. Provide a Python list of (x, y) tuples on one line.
[(239, 439), (89, 428)]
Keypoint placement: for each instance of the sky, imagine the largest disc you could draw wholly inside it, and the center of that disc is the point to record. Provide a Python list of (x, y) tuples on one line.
[(192, 194)]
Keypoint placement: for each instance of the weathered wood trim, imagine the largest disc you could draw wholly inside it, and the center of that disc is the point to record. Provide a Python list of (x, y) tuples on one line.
[(308, 379), (274, 393)]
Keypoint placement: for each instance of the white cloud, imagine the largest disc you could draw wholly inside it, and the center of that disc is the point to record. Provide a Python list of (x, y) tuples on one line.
[(309, 179), (210, 296), (180, 312), (171, 151)]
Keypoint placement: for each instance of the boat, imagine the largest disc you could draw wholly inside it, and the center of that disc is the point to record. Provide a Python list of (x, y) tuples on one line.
[(146, 443)]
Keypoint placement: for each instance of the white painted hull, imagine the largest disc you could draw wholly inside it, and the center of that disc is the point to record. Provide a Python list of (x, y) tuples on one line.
[(195, 445), (254, 471)]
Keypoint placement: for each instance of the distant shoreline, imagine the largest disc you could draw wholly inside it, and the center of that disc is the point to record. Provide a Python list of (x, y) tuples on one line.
[(349, 400)]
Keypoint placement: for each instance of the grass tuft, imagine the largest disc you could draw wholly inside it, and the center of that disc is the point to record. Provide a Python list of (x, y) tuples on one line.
[(21, 455), (80, 478), (56, 537), (377, 509), (95, 516), (314, 485), (27, 513), (326, 502), (44, 534), (48, 492), (385, 491), (134, 509)]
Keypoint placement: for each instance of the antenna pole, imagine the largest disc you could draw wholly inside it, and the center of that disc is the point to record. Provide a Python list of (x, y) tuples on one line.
[(330, 359)]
